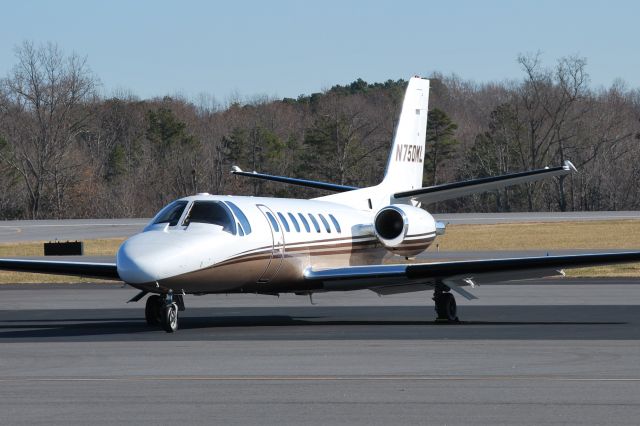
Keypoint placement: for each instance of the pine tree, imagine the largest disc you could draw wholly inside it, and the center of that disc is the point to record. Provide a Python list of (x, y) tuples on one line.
[(440, 143)]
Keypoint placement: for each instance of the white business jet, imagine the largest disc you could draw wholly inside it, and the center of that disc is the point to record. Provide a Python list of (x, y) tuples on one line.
[(212, 244)]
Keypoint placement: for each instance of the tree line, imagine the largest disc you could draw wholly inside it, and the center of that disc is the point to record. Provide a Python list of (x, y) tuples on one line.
[(67, 152)]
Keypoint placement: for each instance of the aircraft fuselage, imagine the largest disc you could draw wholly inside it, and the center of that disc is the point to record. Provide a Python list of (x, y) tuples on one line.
[(267, 252)]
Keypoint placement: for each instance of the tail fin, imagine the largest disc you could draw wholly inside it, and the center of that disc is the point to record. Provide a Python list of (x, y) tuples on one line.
[(406, 161)]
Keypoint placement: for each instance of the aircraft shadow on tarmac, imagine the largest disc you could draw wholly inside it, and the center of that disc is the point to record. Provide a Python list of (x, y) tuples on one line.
[(569, 322)]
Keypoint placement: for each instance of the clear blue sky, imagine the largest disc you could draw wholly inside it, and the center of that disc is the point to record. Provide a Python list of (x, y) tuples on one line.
[(286, 48)]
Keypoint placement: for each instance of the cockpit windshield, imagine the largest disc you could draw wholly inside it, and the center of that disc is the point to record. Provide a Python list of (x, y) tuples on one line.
[(213, 212), (171, 214)]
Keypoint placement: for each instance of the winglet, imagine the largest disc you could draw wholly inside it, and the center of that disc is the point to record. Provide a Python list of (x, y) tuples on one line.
[(568, 165), (235, 169)]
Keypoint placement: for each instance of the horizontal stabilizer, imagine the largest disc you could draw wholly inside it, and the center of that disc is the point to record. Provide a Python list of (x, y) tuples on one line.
[(293, 181), (448, 191)]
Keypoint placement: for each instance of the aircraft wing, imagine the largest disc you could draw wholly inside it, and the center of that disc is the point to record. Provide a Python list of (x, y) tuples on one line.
[(448, 191), (56, 267), (388, 279)]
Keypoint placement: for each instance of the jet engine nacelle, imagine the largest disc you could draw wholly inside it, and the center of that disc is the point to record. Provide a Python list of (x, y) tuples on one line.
[(405, 230)]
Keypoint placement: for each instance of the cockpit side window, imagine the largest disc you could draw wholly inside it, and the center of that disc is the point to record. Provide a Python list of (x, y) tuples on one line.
[(213, 212), (171, 214), (244, 222)]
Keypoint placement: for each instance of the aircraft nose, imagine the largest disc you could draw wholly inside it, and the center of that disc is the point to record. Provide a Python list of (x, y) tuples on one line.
[(138, 260)]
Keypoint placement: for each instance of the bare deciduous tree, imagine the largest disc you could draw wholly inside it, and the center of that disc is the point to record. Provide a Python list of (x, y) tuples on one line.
[(66, 152), (47, 90)]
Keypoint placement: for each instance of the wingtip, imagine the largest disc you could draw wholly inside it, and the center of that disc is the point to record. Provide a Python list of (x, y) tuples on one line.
[(568, 165), (235, 169)]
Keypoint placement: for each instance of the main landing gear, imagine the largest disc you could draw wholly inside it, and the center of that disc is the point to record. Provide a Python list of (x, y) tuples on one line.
[(446, 308), (163, 311)]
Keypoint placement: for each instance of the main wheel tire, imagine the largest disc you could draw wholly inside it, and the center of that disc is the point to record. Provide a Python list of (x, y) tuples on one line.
[(446, 307), (152, 310), (170, 318)]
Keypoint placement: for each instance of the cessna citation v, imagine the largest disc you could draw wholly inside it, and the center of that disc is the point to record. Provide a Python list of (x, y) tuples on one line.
[(211, 244)]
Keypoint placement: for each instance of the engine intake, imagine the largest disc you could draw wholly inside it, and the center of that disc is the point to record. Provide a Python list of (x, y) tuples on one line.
[(390, 223), (404, 230)]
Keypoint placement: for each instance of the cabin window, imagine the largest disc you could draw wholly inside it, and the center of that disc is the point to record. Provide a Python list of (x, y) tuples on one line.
[(274, 222), (304, 222), (325, 223), (285, 224), (315, 222), (335, 223), (294, 221), (212, 212), (171, 213), (244, 222)]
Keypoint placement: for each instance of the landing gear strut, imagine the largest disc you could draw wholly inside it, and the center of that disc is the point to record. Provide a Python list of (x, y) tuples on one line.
[(163, 311), (446, 308)]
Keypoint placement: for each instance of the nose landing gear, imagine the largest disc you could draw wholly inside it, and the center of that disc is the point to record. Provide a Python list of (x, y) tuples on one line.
[(163, 311), (170, 318)]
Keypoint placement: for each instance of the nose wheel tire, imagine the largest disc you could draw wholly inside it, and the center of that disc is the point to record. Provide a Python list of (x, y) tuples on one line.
[(446, 307), (152, 310), (170, 317)]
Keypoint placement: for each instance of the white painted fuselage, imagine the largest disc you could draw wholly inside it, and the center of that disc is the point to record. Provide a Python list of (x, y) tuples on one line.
[(267, 252)]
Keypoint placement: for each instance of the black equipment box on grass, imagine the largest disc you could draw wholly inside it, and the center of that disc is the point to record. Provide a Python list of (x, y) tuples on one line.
[(67, 248)]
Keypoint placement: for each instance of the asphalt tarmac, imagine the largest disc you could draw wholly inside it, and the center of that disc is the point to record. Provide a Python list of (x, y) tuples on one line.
[(68, 229), (83, 229), (544, 352)]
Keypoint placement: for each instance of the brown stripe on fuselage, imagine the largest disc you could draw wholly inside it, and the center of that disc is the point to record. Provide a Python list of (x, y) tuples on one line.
[(320, 250), (312, 250), (231, 278), (305, 244), (228, 277)]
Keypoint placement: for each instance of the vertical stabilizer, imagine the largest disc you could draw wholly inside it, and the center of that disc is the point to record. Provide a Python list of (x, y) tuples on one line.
[(406, 161)]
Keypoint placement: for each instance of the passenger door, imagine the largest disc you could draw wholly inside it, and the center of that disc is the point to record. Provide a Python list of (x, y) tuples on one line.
[(277, 244)]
